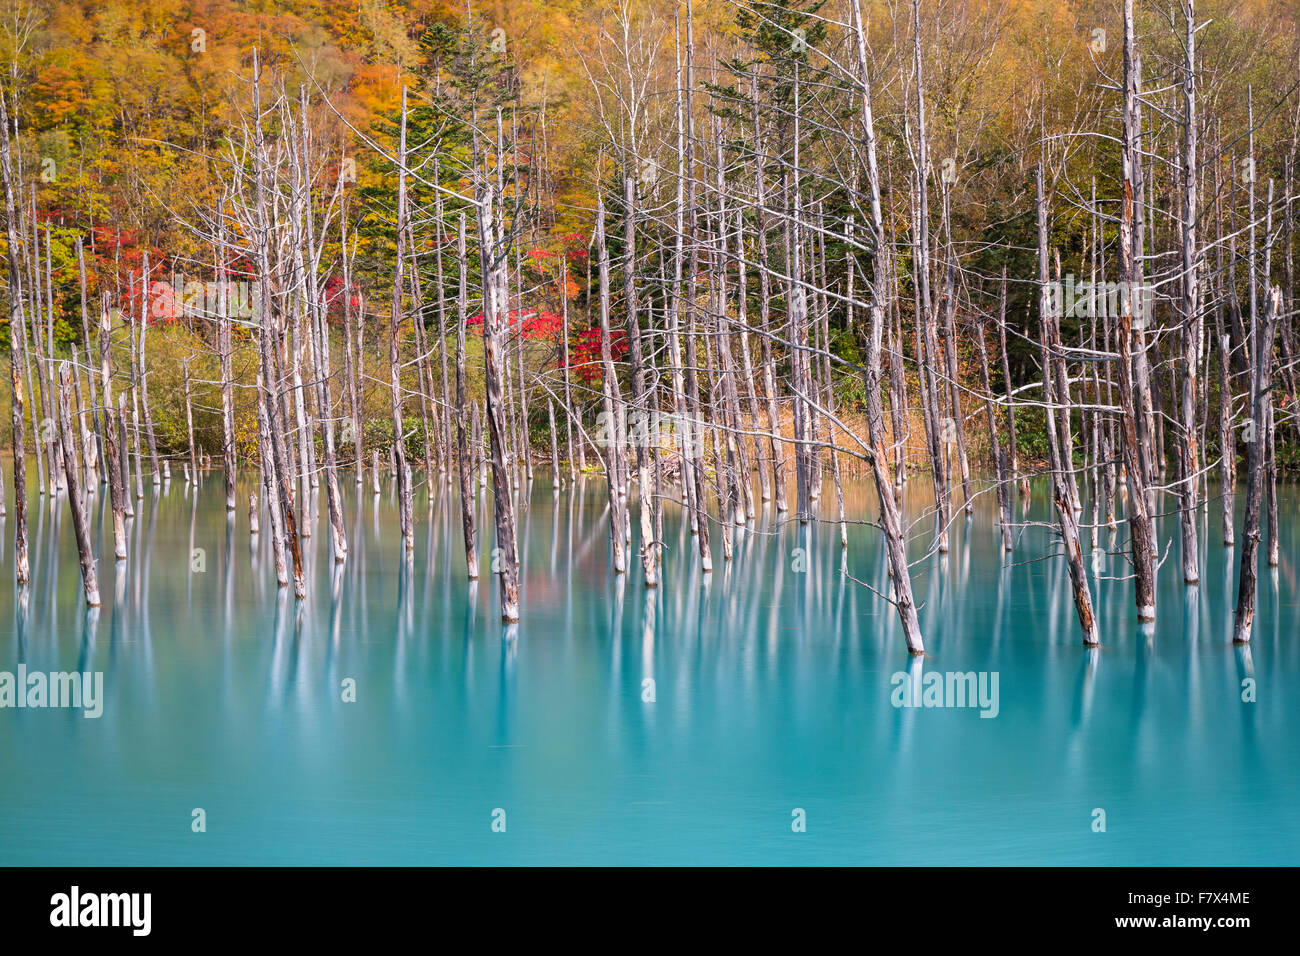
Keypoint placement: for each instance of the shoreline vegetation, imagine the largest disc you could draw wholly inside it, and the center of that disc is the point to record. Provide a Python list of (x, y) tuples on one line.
[(722, 253)]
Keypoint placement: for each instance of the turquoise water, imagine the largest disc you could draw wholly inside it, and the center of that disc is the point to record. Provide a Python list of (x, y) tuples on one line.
[(772, 693)]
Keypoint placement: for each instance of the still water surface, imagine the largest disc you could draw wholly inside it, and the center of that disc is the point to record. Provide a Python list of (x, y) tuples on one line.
[(772, 692)]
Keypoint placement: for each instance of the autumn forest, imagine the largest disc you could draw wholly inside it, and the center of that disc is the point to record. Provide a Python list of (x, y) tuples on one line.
[(725, 256)]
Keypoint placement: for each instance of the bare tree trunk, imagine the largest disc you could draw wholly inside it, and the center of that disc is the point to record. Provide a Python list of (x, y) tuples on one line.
[(493, 249), (143, 373), (44, 433), (999, 458), (89, 579), (353, 359), (225, 345), (747, 365), (278, 473), (112, 455), (1063, 496), (1270, 485), (189, 422), (444, 457), (555, 447), (525, 439), (612, 404), (897, 377), (34, 275), (464, 459), (926, 319), (1057, 414), (124, 457), (640, 403), (1261, 403), (949, 346), (1132, 359), (890, 520), (22, 572), (96, 416), (797, 323), (764, 310), (394, 357), (85, 456), (738, 458), (1188, 449), (1013, 454), (422, 374), (134, 347), (1227, 441), (57, 479), (568, 393), (687, 224), (319, 332)]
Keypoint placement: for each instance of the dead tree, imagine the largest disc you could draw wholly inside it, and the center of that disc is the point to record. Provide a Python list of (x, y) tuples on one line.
[(930, 396), (1188, 454), (142, 375), (464, 460), (613, 409), (1261, 404), (493, 256), (112, 430), (1057, 414), (275, 469), (999, 458), (1133, 384), (394, 358), (76, 503), (225, 345), (640, 396), (890, 519), (21, 570)]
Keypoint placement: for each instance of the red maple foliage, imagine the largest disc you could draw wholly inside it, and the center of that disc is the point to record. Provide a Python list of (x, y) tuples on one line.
[(334, 302), (585, 359), (536, 325), (584, 346)]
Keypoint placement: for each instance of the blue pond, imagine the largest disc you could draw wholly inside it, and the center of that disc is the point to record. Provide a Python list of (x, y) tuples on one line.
[(768, 735)]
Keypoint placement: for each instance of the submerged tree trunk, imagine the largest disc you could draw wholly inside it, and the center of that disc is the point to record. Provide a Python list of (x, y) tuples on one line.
[(1261, 403), (1132, 360), (999, 458), (225, 345), (640, 398), (464, 459), (324, 396), (890, 519), (766, 352), (613, 409), (21, 570), (493, 249), (276, 469), (112, 429), (76, 503), (96, 417), (1063, 494), (142, 373), (404, 496), (1188, 449)]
